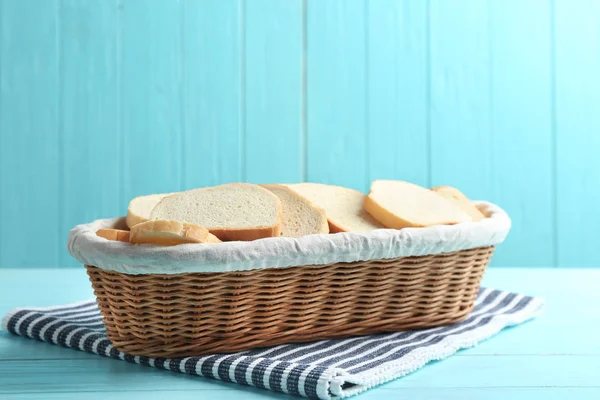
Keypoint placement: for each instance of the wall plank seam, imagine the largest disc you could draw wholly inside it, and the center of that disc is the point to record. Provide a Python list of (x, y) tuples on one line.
[(490, 99), (366, 136), (554, 158), (60, 226), (182, 73), (428, 93), (304, 100), (242, 101), (119, 100), (1, 105)]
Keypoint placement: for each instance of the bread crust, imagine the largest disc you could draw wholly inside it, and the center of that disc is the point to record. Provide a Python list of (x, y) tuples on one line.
[(132, 218), (113, 234), (232, 235), (392, 220), (212, 239), (246, 235), (167, 233), (336, 226), (324, 228), (387, 218), (459, 198)]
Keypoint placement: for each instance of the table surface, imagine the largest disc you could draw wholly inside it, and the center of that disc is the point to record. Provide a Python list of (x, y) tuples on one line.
[(555, 356)]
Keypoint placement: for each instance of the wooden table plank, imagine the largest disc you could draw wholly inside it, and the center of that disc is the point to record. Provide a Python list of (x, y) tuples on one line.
[(95, 375), (383, 393), (18, 349), (249, 394), (495, 393), (483, 371), (506, 371)]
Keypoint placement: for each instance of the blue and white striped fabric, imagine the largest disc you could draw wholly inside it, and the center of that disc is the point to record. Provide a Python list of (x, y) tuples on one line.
[(326, 369)]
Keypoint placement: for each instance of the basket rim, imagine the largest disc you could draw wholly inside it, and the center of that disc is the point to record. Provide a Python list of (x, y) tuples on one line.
[(281, 252)]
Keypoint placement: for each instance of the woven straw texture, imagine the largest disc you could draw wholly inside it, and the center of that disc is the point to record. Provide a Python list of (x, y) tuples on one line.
[(194, 314)]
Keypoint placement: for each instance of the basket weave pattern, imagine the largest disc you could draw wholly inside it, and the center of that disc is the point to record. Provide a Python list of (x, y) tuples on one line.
[(194, 314)]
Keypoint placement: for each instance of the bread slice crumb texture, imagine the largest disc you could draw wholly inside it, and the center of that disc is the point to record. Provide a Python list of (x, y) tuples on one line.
[(457, 197), (140, 208), (343, 206), (399, 204), (234, 211), (300, 216)]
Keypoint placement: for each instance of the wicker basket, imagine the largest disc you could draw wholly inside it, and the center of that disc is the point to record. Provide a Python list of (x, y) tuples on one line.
[(192, 314)]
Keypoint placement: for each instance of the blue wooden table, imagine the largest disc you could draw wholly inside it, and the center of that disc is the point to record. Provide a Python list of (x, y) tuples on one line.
[(553, 357)]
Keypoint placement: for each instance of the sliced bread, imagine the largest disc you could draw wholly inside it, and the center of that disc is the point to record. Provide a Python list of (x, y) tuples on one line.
[(235, 211), (398, 204), (457, 197), (212, 239), (167, 233), (343, 206), (113, 234), (140, 207), (300, 217)]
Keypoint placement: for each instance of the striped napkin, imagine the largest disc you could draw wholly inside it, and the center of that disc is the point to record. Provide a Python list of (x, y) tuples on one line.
[(326, 369)]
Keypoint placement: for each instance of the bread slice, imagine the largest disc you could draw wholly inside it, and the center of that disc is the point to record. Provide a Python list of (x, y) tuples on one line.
[(235, 211), (167, 233), (343, 206), (457, 197), (140, 207), (300, 216), (113, 234), (398, 204), (212, 239)]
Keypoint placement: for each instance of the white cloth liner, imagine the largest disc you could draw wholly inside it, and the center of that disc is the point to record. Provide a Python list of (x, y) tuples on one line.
[(90, 249)]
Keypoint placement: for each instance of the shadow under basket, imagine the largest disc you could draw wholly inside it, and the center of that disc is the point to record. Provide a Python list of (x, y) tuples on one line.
[(194, 314)]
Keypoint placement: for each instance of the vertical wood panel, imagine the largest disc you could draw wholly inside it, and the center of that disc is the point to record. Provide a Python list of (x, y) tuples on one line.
[(211, 92), (397, 91), (273, 90), (3, 143), (460, 115), (336, 93), (151, 82), (29, 134), (91, 170), (577, 57), (213, 130), (522, 129)]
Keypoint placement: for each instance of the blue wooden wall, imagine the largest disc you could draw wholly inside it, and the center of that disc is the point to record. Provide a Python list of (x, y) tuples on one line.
[(103, 100)]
